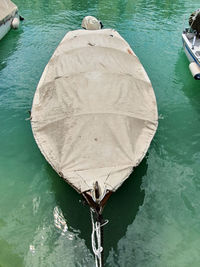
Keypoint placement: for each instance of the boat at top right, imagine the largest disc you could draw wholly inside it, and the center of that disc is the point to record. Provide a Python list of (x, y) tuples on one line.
[(191, 43)]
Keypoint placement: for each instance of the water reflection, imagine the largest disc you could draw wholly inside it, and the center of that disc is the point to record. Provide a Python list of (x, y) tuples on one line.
[(123, 206), (188, 110), (86, 5), (14, 258), (190, 86), (76, 215), (8, 46)]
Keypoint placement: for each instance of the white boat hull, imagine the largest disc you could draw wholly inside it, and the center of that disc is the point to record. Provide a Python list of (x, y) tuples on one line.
[(190, 58), (192, 51), (5, 27)]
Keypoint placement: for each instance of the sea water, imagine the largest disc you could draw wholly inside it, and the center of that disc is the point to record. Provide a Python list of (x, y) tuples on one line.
[(154, 218)]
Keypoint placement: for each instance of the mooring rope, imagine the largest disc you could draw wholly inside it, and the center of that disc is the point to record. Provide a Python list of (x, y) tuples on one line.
[(97, 237), (96, 240)]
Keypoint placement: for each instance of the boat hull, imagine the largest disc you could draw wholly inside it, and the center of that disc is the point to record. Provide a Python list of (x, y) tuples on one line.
[(189, 52), (94, 113), (192, 51), (5, 27)]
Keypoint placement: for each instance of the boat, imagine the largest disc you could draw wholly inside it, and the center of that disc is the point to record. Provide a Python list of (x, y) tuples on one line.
[(191, 43), (94, 113), (9, 17)]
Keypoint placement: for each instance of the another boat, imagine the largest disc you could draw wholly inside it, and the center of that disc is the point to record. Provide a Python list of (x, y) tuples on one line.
[(9, 17), (94, 112), (191, 43)]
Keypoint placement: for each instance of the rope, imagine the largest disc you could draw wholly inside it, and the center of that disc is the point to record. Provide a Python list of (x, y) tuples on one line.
[(96, 240)]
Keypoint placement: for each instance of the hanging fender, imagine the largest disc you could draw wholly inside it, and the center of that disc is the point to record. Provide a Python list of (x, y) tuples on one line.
[(15, 23), (195, 70)]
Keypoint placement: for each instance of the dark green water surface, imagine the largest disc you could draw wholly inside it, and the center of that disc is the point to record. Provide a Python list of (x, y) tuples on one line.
[(155, 216)]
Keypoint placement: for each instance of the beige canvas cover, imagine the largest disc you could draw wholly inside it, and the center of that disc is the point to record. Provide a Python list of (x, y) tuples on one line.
[(7, 9), (94, 113)]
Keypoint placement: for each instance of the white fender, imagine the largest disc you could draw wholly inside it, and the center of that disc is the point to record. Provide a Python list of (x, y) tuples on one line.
[(15, 23), (195, 70)]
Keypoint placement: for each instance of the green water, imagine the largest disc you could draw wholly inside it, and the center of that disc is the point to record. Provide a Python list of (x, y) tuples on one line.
[(155, 216)]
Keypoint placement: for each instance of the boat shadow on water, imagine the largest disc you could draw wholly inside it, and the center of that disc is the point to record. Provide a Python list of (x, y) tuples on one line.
[(190, 86), (8, 46), (120, 210)]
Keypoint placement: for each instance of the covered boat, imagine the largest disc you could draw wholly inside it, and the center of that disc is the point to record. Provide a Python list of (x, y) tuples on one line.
[(9, 17), (191, 44), (94, 113)]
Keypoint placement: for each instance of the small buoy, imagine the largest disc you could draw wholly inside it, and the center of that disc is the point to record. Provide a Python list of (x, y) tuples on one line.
[(91, 23), (15, 23), (195, 70)]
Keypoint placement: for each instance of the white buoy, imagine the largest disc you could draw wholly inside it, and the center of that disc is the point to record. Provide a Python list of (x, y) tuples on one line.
[(195, 70), (91, 23), (15, 23)]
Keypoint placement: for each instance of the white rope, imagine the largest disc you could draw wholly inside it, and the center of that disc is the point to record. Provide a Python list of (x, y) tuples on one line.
[(96, 240)]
